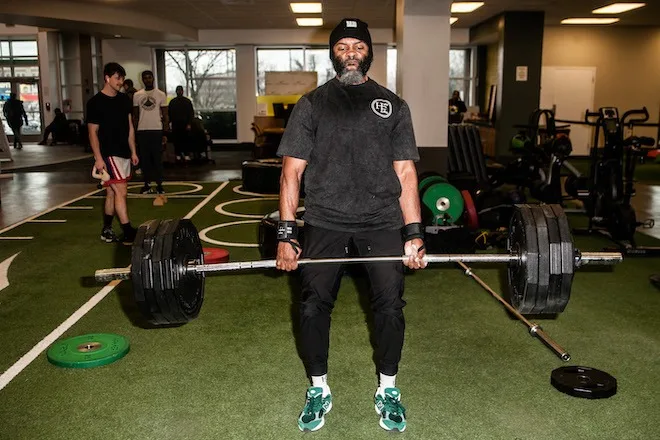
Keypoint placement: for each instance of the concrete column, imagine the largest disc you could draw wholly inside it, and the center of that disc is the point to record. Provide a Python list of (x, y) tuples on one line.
[(246, 91), (520, 48), (423, 41), (47, 70)]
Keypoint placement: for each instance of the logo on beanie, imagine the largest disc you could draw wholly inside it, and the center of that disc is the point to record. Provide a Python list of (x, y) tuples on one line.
[(351, 24), (382, 107)]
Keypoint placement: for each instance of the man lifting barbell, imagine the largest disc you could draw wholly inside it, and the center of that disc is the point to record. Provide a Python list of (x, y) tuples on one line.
[(354, 140)]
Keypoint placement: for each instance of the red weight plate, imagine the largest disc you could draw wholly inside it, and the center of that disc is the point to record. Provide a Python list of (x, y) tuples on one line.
[(471, 216), (215, 255)]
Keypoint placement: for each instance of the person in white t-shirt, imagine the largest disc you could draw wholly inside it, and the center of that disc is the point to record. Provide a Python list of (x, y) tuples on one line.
[(151, 123)]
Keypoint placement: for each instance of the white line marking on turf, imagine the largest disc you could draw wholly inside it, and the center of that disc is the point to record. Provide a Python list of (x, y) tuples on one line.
[(4, 270), (239, 190), (153, 196), (47, 221), (31, 355), (220, 207), (203, 236), (195, 188), (79, 207), (15, 225), (16, 238), (196, 209)]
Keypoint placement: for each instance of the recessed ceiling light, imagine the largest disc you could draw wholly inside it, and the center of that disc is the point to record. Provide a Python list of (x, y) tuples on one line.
[(465, 7), (452, 20), (617, 8), (309, 21), (117, 36), (306, 8), (589, 20)]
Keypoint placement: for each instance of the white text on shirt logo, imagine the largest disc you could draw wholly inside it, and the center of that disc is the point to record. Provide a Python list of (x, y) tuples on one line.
[(382, 107)]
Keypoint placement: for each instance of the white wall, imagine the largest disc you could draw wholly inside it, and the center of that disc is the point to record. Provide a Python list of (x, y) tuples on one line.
[(627, 61), (8, 31), (134, 56)]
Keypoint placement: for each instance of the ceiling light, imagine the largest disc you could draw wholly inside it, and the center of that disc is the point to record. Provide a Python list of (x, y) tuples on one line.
[(465, 7), (452, 20), (117, 36), (589, 20), (309, 21), (617, 8), (306, 8)]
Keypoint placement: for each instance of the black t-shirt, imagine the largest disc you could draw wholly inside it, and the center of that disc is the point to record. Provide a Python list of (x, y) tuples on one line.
[(111, 113), (350, 136)]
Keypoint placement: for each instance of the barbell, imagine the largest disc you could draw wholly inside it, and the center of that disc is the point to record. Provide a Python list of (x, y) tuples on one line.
[(167, 265)]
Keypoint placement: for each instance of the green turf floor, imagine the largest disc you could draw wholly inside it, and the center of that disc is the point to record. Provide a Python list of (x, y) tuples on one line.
[(469, 371)]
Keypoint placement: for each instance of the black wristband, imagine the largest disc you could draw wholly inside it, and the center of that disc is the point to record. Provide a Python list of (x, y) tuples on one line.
[(413, 230), (287, 230)]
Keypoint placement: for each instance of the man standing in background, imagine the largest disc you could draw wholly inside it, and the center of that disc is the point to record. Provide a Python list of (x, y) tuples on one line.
[(15, 114), (181, 115), (151, 122)]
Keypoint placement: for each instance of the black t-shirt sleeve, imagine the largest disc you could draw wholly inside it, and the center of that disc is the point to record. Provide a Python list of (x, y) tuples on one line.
[(94, 115), (298, 138), (127, 104), (403, 136)]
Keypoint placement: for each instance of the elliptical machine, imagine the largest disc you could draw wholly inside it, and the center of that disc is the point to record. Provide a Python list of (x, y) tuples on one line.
[(610, 185)]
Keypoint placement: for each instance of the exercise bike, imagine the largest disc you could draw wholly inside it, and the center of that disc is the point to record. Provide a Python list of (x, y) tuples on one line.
[(608, 190)]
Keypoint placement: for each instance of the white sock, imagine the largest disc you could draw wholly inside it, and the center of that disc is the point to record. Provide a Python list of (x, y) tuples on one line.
[(321, 382), (386, 381)]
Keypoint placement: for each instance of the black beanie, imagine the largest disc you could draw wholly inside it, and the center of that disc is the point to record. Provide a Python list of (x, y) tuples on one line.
[(351, 28)]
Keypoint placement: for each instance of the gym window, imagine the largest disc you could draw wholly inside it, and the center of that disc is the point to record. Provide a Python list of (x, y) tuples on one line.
[(307, 59)]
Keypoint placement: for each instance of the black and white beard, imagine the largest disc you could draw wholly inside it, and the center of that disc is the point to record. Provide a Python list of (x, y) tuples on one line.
[(351, 77)]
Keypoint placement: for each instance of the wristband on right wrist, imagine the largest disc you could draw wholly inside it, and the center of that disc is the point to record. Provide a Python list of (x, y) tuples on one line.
[(412, 231), (287, 230)]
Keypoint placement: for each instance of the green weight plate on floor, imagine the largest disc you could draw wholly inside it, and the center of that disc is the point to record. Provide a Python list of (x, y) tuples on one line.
[(426, 181), (87, 351), (445, 203)]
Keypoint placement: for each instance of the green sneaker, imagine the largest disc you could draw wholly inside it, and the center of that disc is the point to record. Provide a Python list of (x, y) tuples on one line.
[(392, 413), (312, 417)]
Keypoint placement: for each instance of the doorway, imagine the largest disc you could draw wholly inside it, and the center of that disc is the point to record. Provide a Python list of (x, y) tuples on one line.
[(570, 92), (27, 90)]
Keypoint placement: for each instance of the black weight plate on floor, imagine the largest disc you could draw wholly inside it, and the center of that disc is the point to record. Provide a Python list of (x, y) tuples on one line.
[(567, 257), (523, 276), (584, 382), (142, 270), (541, 299), (554, 288)]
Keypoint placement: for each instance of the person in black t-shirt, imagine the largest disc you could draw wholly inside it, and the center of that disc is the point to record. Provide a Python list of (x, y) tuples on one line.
[(354, 141), (181, 113), (112, 138)]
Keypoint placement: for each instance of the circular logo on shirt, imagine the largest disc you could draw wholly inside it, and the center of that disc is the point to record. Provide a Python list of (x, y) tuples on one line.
[(382, 107)]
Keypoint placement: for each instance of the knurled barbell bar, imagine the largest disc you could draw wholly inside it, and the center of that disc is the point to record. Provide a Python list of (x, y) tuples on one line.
[(168, 271)]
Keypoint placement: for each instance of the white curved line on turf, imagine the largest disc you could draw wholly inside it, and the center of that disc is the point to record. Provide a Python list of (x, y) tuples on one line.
[(220, 207), (4, 270), (248, 193), (204, 237), (195, 186), (42, 345), (15, 238)]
